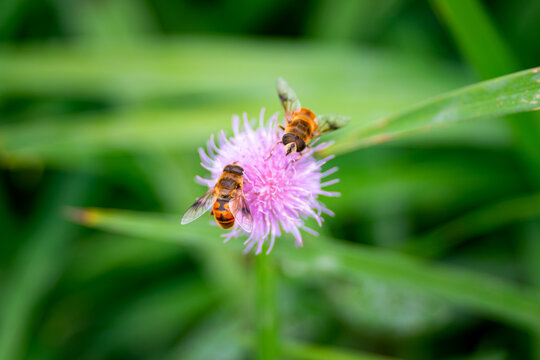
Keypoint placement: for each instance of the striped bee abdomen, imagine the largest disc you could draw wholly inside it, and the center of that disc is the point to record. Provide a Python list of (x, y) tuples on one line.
[(222, 214)]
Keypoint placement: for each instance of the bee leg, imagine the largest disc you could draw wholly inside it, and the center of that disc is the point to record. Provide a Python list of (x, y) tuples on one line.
[(281, 127), (271, 151), (211, 212)]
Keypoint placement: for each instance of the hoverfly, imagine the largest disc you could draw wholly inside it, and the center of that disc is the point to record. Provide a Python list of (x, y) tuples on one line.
[(226, 199), (302, 124)]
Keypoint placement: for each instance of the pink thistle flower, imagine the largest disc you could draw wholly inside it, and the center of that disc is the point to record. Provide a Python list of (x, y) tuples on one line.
[(280, 197)]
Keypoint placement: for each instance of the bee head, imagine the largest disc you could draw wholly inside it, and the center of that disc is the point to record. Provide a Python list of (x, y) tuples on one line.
[(235, 168), (290, 148), (293, 143)]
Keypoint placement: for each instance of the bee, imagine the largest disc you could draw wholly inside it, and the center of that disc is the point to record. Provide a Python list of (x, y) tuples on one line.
[(226, 199), (302, 124)]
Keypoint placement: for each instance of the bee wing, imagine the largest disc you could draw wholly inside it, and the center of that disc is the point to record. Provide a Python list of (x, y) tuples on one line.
[(199, 207), (240, 210), (288, 98), (331, 122)]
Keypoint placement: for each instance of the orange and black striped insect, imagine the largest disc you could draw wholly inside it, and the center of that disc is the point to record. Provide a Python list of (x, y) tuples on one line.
[(226, 199), (302, 124)]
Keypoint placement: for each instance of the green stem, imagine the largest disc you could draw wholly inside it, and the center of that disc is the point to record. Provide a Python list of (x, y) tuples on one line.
[(265, 312)]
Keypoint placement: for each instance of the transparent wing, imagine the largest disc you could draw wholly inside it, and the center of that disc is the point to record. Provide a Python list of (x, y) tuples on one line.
[(288, 98), (330, 122), (240, 210), (199, 207)]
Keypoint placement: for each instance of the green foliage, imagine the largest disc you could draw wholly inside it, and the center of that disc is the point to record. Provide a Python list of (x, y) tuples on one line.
[(490, 56), (332, 257), (507, 95)]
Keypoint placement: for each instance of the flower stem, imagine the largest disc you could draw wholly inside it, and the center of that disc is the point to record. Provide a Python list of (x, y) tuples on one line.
[(265, 314)]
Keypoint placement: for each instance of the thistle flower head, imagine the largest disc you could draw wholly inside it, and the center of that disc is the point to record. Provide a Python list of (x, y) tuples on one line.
[(281, 194)]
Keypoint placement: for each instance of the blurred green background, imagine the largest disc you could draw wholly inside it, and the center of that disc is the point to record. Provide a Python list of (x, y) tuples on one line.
[(103, 103)]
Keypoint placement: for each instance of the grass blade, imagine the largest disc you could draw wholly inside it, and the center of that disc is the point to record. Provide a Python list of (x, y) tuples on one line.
[(152, 226), (474, 290), (189, 70), (483, 47), (490, 57), (483, 293), (514, 93), (204, 98)]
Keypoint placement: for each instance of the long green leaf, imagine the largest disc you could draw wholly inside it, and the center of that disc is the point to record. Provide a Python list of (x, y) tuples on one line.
[(476, 291), (194, 69), (200, 88), (487, 52), (483, 47), (518, 92)]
